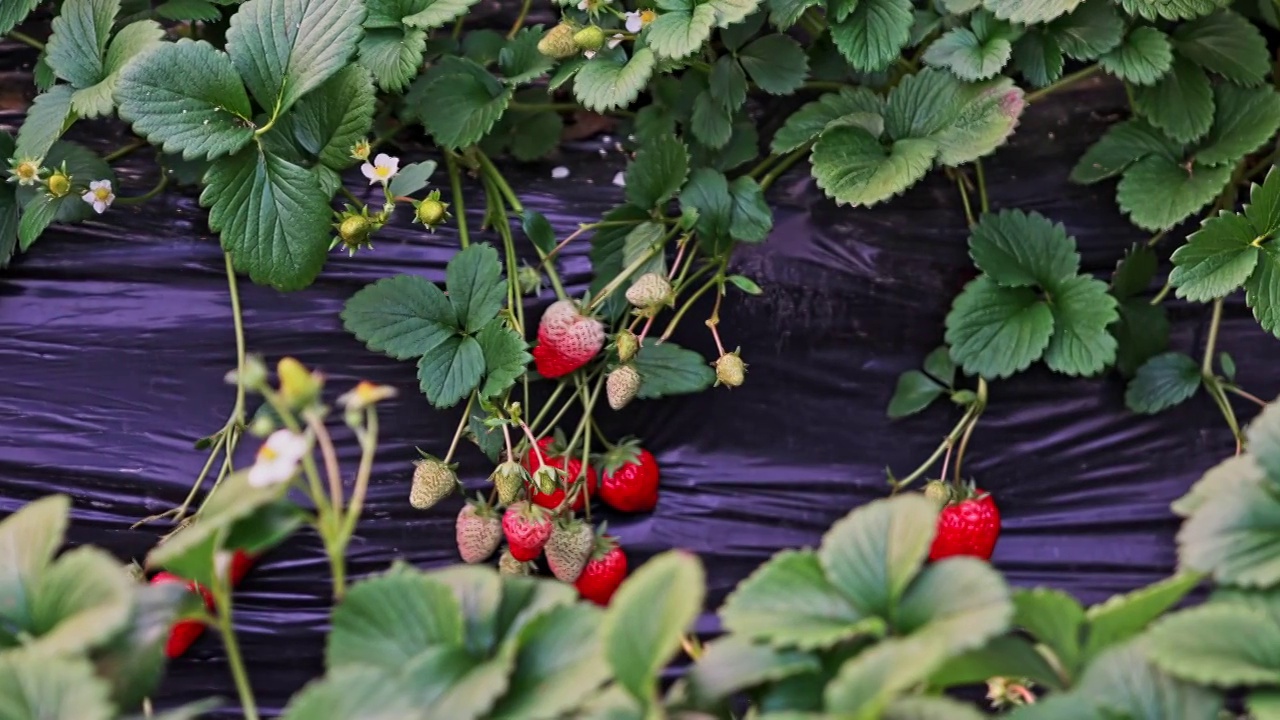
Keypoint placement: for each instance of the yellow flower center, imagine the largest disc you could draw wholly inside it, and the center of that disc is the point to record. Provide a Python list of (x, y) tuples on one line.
[(28, 170), (382, 171), (646, 17), (102, 194), (266, 454)]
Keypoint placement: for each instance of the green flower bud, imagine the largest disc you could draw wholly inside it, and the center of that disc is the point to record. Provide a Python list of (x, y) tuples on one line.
[(431, 212), (59, 184)]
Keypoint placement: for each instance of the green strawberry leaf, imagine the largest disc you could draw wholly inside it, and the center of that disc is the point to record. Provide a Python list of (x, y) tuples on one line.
[(412, 178), (1244, 120), (1217, 259), (776, 63), (536, 136), (388, 620), (131, 41), (1003, 656), (785, 13), (272, 215), (79, 40), (1158, 193), (965, 120), (477, 290), (648, 617), (805, 124), (1082, 310), (853, 167), (37, 215), (437, 13), (1017, 249), (1225, 43), (669, 369), (865, 685), (83, 165), (973, 54), (1231, 535), (873, 35), (1169, 9), (1123, 617), (751, 218), (728, 83), (505, 357), (1261, 290), (1092, 29), (1123, 683), (677, 33), (8, 222), (609, 81), (189, 11), (1134, 273), (1053, 618), (707, 193), (729, 12), (1162, 382), (961, 603), (328, 122), (1124, 144), (915, 392), (44, 122), (393, 55), (1030, 12), (539, 231), (1141, 333), (186, 97), (658, 172), (1180, 103), (520, 60), (52, 688), (995, 331), (873, 554), (559, 664), (29, 538), (1039, 58), (711, 124), (82, 600), (731, 664), (448, 372), (1144, 57), (789, 602), (14, 12), (464, 102), (284, 49), (1223, 645), (1263, 209)]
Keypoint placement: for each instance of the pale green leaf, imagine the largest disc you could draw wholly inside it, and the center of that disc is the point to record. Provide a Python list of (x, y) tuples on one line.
[(1225, 43), (1158, 193), (669, 369), (404, 316), (186, 97), (1053, 618), (1017, 249), (28, 540), (189, 10), (328, 122), (1234, 536), (1264, 705), (1144, 57), (959, 602), (729, 12), (965, 120), (805, 124), (412, 177), (1009, 655), (677, 33), (915, 392), (438, 13), (659, 171), (448, 372), (505, 357), (1082, 310), (367, 693), (968, 57), (1244, 120), (1216, 260), (1219, 645), (776, 63), (1162, 382), (387, 620), (1180, 103), (44, 122), (1170, 9), (869, 681), (871, 37), (393, 55), (1262, 290), (647, 618), (1029, 12), (272, 216), (785, 13), (284, 49), (731, 664), (33, 687), (1124, 144), (854, 167), (1090, 30), (1038, 57), (872, 554), (75, 49), (80, 601), (609, 81), (558, 665), (931, 708), (1225, 477), (1123, 683), (13, 12), (1123, 617), (1263, 435), (131, 41), (788, 601), (996, 332), (465, 101)]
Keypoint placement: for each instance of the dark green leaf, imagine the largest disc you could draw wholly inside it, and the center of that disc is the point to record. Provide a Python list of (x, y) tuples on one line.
[(1217, 259), (328, 122), (785, 13), (1089, 31), (669, 369), (1124, 144), (659, 170), (727, 84), (505, 357), (711, 124), (1134, 272), (13, 12), (79, 40), (449, 371), (37, 215), (1158, 193), (476, 288), (806, 123), (915, 392), (520, 60), (1169, 9), (189, 10), (996, 332), (1017, 249), (872, 554), (708, 192), (610, 81), (537, 136), (404, 316), (1262, 290), (44, 122), (1180, 103), (1164, 381), (1225, 43), (1263, 209), (853, 167), (1141, 333), (1038, 57), (776, 63), (1244, 120), (873, 34), (1143, 58), (558, 665), (1082, 310), (539, 231), (464, 102), (393, 55), (731, 664), (751, 219)]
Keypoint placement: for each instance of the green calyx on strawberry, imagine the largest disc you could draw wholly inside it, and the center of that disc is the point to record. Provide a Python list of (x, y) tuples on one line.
[(478, 531), (568, 470), (604, 572), (629, 478), (969, 524), (567, 340), (527, 528), (507, 479), (569, 548)]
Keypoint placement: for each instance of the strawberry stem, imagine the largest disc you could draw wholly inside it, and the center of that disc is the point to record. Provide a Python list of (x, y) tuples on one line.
[(462, 424), (979, 404)]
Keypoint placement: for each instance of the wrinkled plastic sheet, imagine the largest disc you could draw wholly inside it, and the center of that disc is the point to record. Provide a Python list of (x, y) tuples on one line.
[(115, 336)]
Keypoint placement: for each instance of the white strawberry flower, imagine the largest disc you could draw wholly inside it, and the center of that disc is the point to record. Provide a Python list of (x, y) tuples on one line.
[(620, 179), (614, 42), (592, 6), (99, 196), (639, 20), (277, 459), (382, 169)]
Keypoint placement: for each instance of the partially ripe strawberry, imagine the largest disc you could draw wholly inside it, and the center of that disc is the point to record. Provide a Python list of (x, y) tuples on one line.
[(527, 527), (184, 632), (571, 469), (629, 479), (621, 386), (967, 526), (478, 531), (567, 340), (569, 549), (603, 573)]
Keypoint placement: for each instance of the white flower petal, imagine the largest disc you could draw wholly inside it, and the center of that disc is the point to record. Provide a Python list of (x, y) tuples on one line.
[(634, 23), (368, 171), (620, 179), (560, 173), (89, 197), (588, 54), (99, 207), (100, 185), (615, 41)]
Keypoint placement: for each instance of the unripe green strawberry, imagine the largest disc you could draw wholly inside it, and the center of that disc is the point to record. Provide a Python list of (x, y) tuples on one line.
[(432, 482), (628, 344), (529, 279), (939, 491), (478, 531), (590, 37), (354, 230), (431, 212), (650, 291), (507, 479), (509, 565), (621, 386), (730, 370), (569, 549), (558, 42), (59, 183)]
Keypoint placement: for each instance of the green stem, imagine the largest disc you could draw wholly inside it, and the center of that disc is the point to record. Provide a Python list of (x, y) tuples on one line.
[(139, 199), (784, 165), (961, 182), (222, 597), (524, 12), (626, 273), (509, 251), (368, 445), (26, 39), (1246, 395), (1164, 292), (984, 201), (979, 405), (237, 414), (1206, 365), (546, 407), (586, 454), (1214, 388), (348, 195), (504, 189), (763, 165), (118, 153), (457, 434), (675, 319), (969, 418), (1067, 81), (459, 208)]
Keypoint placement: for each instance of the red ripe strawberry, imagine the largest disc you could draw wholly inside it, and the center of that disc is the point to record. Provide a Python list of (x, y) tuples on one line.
[(969, 525), (630, 478), (241, 563), (527, 528), (184, 632), (553, 453), (603, 573), (567, 340)]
